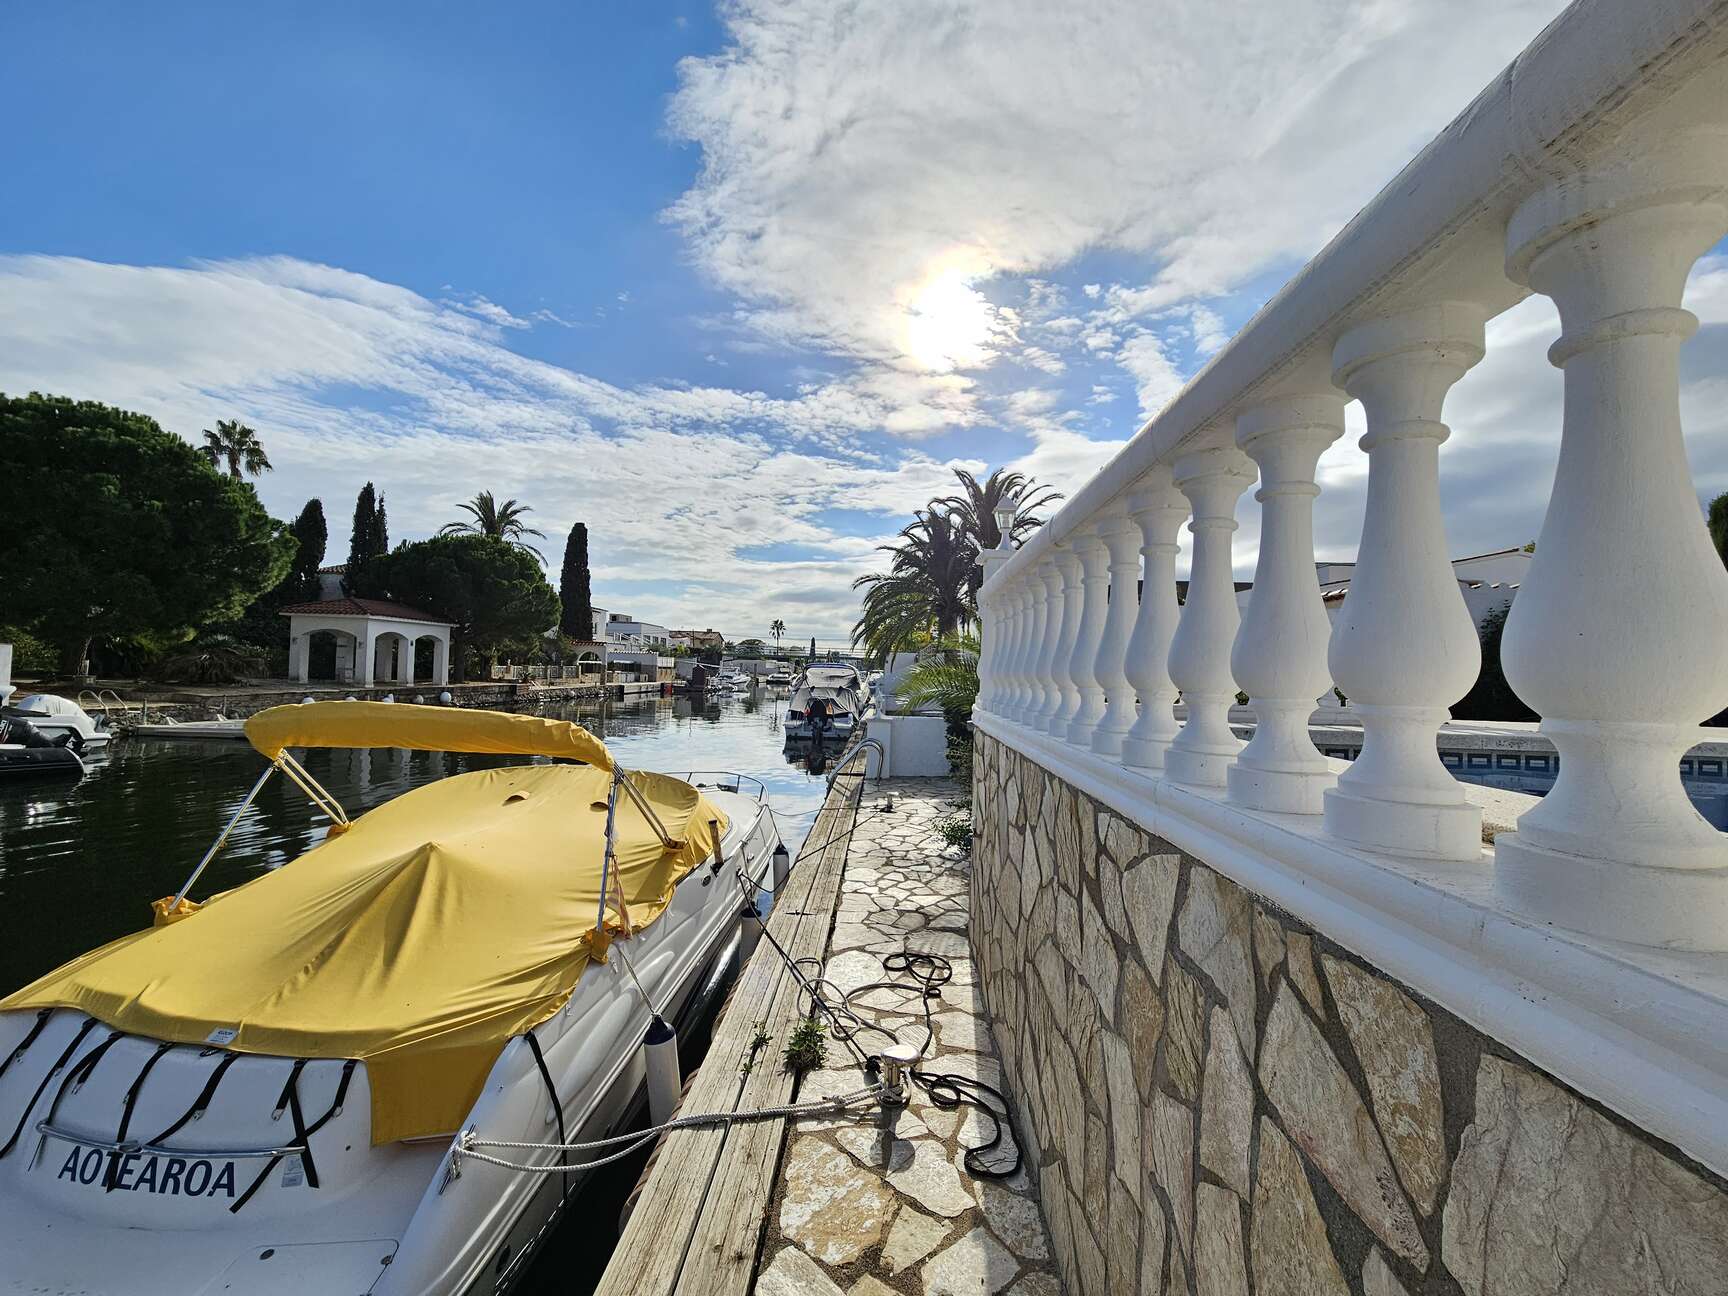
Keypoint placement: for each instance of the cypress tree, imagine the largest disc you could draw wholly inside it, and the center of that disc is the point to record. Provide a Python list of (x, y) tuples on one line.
[(575, 594), (314, 537), (1719, 526), (368, 540)]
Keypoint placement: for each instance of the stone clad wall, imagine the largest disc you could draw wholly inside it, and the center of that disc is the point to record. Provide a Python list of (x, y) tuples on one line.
[(1219, 1100)]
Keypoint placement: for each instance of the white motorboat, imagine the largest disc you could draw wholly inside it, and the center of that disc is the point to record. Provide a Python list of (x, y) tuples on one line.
[(52, 715), (261, 1094)]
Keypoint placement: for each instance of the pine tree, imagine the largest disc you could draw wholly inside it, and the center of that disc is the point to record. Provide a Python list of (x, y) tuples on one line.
[(313, 536), (575, 593)]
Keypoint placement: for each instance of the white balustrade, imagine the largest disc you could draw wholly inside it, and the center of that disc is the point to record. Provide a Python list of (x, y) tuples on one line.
[(1069, 578), (1089, 635), (1121, 536), (1157, 508), (1404, 647), (1616, 637), (1279, 656), (1592, 940), (1212, 480)]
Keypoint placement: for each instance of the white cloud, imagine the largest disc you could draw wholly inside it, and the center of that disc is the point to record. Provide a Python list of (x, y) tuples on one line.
[(852, 154), (348, 379), (1209, 331), (1156, 378), (1035, 357)]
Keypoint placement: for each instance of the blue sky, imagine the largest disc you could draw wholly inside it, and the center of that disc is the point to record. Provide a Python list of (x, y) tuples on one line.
[(737, 287)]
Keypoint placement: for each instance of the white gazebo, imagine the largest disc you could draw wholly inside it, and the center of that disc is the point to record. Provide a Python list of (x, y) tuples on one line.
[(375, 641)]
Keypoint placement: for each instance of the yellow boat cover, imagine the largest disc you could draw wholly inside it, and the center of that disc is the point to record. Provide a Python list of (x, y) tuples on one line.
[(420, 941), (422, 728)]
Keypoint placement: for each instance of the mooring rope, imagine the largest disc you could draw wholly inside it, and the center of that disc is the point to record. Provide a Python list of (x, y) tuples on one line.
[(465, 1145), (927, 973)]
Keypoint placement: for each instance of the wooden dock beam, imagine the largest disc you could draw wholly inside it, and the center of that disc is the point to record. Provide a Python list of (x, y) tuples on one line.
[(699, 1219)]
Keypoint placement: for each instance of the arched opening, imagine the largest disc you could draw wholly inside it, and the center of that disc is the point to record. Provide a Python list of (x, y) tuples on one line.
[(392, 659), (330, 656), (588, 663), (428, 659)]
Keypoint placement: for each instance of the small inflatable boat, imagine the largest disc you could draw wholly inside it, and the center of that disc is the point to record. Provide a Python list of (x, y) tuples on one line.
[(27, 752), (260, 1093)]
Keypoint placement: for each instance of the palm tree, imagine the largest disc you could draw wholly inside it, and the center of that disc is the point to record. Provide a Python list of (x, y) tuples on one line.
[(237, 446), (777, 629), (946, 676), (925, 591), (976, 507), (503, 521)]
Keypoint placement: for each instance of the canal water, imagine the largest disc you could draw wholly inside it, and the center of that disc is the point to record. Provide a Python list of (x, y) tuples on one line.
[(80, 862)]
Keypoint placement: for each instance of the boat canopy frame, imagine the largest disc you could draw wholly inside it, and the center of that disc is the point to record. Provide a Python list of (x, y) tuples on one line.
[(424, 728)]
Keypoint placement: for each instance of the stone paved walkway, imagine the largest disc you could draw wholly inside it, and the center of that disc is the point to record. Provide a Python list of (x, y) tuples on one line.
[(869, 1209)]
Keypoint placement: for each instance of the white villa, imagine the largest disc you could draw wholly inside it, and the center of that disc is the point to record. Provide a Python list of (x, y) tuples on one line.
[(1486, 580), (374, 642)]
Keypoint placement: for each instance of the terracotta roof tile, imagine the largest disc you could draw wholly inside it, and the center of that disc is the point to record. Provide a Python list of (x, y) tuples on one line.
[(363, 607)]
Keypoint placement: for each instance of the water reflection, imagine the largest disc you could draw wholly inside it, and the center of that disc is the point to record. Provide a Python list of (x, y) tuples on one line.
[(80, 862)]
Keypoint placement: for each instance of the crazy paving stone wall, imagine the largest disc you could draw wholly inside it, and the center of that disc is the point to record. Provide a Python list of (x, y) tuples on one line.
[(1219, 1100)]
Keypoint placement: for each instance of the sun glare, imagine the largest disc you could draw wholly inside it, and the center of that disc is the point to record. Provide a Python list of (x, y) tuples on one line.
[(948, 324)]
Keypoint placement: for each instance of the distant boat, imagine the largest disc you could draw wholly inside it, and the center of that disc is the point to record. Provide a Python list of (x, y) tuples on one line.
[(217, 728), (262, 1092), (828, 699)]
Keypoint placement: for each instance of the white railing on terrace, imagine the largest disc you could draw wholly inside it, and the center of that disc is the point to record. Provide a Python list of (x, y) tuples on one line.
[(1593, 171)]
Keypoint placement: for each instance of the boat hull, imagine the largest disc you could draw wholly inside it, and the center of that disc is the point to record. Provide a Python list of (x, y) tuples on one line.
[(39, 762)]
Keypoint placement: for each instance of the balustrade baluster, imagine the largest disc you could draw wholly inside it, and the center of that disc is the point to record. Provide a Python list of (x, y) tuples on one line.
[(1404, 647), (1049, 699), (1200, 650), (1089, 635), (1121, 538), (1031, 632), (1616, 636), (1279, 657), (1068, 575), (1010, 679), (993, 613), (1158, 509)]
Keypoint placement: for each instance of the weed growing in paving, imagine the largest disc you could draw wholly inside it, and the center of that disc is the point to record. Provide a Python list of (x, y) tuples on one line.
[(807, 1049)]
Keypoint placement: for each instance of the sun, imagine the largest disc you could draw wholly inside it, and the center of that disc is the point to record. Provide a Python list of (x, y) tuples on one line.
[(949, 323)]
